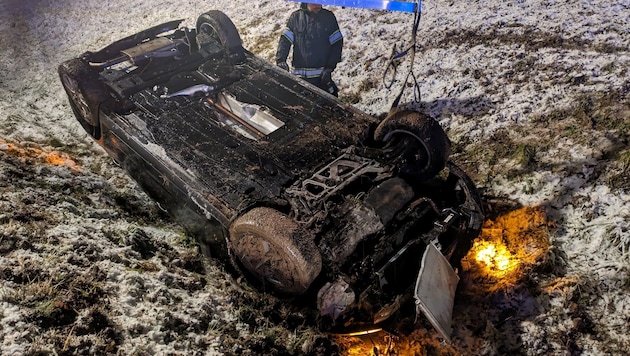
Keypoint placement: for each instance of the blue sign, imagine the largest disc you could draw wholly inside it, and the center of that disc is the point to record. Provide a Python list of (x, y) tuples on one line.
[(403, 6)]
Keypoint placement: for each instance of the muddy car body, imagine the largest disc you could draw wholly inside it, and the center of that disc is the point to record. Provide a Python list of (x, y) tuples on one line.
[(301, 193)]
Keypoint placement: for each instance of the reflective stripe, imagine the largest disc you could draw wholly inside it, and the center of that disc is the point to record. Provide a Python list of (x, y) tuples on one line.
[(308, 72), (336, 36), (288, 34)]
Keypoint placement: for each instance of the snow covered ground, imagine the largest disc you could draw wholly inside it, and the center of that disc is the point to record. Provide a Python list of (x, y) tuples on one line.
[(534, 94)]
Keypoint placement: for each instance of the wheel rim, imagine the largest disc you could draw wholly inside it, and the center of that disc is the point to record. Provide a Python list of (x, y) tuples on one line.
[(211, 31), (405, 131), (414, 153)]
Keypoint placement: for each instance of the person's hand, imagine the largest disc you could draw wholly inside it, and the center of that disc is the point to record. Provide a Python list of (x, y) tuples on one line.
[(326, 78), (283, 65)]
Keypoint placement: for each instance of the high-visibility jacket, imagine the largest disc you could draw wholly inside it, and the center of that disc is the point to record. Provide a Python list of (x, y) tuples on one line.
[(316, 41)]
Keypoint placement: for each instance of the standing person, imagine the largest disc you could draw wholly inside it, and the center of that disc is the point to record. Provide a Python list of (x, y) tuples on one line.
[(317, 42)]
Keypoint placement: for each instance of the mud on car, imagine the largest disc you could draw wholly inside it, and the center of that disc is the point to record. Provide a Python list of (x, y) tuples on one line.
[(304, 195)]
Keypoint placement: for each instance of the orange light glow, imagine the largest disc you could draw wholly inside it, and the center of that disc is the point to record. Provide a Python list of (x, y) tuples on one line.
[(368, 342), (382, 343), (29, 152), (495, 257), (507, 248)]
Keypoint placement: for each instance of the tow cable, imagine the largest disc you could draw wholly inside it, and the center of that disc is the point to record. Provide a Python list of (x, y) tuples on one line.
[(396, 59)]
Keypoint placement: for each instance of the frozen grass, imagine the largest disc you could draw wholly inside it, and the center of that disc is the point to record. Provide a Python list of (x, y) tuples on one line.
[(533, 93)]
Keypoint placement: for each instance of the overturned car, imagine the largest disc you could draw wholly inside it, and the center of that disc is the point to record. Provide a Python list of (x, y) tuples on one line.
[(304, 195)]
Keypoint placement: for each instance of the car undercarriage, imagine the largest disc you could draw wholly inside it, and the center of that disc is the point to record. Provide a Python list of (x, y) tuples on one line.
[(299, 192)]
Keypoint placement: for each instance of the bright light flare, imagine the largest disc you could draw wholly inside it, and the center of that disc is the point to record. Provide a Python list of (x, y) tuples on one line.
[(495, 257), (507, 247), (363, 332), (486, 254)]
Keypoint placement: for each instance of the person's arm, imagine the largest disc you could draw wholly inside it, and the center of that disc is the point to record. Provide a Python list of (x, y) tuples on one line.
[(284, 46), (336, 45)]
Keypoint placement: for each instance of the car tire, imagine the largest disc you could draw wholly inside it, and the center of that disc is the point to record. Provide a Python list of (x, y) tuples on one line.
[(86, 94), (218, 25), (423, 145), (273, 248)]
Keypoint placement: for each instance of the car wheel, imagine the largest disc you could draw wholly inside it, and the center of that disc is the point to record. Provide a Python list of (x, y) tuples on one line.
[(218, 26), (85, 92), (273, 248), (420, 143)]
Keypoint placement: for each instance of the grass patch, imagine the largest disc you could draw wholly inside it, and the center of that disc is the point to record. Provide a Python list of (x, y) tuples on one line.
[(354, 96), (525, 155), (620, 176), (609, 111), (624, 159)]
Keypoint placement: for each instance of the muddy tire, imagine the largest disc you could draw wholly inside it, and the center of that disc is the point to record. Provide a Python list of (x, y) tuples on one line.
[(423, 145), (218, 26), (85, 92), (272, 247)]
